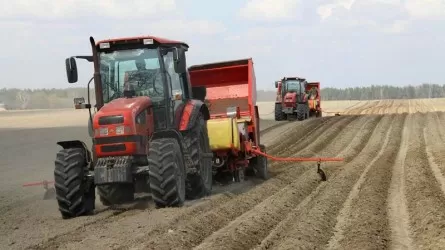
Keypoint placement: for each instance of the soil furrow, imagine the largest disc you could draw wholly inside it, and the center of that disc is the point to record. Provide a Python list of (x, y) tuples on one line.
[(145, 221), (295, 139), (424, 196), (191, 233), (301, 130), (436, 139), (354, 108), (103, 220), (250, 228), (313, 144), (363, 222), (435, 149), (397, 209), (310, 225)]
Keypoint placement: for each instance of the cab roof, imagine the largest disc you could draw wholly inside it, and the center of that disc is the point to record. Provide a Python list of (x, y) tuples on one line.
[(155, 38)]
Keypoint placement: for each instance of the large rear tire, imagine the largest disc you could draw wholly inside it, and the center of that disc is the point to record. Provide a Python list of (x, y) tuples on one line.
[(116, 193), (74, 193), (279, 115), (166, 173), (198, 145)]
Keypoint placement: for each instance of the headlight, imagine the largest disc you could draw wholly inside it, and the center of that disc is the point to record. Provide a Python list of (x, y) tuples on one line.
[(103, 131), (120, 130)]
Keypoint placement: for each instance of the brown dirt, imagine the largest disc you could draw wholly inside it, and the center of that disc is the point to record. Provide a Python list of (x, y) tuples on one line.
[(387, 194)]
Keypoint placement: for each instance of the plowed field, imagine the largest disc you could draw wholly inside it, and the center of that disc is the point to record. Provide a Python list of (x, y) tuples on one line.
[(389, 193)]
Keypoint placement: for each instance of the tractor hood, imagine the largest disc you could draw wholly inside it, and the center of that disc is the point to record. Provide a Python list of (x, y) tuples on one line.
[(121, 111), (122, 127), (290, 97)]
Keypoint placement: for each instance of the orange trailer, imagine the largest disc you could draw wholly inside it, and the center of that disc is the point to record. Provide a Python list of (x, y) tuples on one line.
[(229, 90)]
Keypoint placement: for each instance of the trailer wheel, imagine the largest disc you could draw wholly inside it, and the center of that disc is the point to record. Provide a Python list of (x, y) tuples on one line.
[(198, 144), (115, 193), (166, 173), (279, 115), (240, 174), (301, 111), (261, 166), (74, 193)]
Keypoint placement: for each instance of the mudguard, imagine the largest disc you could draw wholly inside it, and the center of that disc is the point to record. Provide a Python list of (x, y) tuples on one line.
[(171, 133), (191, 112), (76, 144)]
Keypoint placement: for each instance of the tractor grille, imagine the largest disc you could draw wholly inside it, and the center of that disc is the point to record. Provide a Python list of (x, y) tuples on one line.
[(107, 120)]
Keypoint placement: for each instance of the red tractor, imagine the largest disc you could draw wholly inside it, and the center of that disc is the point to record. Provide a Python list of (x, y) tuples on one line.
[(297, 98), (149, 134)]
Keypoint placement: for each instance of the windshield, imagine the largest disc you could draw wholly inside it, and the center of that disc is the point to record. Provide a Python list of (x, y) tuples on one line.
[(293, 85), (139, 68)]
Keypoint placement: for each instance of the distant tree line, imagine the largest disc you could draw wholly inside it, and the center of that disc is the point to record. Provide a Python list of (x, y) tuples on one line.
[(63, 98), (41, 98), (384, 92)]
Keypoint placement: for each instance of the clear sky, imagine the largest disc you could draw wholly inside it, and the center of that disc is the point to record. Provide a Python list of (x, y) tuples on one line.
[(337, 42)]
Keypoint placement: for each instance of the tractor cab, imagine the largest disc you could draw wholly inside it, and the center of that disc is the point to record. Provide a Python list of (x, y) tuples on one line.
[(149, 66), (293, 85)]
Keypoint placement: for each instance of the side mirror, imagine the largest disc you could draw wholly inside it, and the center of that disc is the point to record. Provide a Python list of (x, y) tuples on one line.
[(71, 69), (79, 103), (276, 84), (179, 60)]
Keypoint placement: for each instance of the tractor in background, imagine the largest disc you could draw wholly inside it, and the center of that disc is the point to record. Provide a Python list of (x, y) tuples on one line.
[(149, 134), (297, 99)]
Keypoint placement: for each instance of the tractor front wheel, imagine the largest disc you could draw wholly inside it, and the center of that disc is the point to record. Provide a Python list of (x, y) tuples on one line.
[(75, 194), (301, 111), (166, 173), (279, 115)]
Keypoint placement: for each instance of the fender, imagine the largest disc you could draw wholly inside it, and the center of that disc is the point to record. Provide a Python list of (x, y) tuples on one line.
[(190, 114), (305, 99), (168, 133), (76, 144), (171, 133)]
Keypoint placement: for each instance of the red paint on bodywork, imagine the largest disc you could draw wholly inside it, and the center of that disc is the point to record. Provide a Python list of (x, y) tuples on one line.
[(185, 118), (290, 99), (228, 84), (155, 38), (129, 108)]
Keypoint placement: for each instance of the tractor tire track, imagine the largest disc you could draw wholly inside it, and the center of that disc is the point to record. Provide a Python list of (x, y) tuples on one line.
[(311, 223), (424, 196), (256, 223), (398, 216), (191, 233), (108, 215), (363, 222), (103, 225), (435, 149)]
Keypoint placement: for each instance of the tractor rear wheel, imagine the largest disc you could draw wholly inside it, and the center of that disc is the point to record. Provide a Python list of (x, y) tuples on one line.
[(198, 145), (279, 115), (74, 193), (166, 173), (115, 193)]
